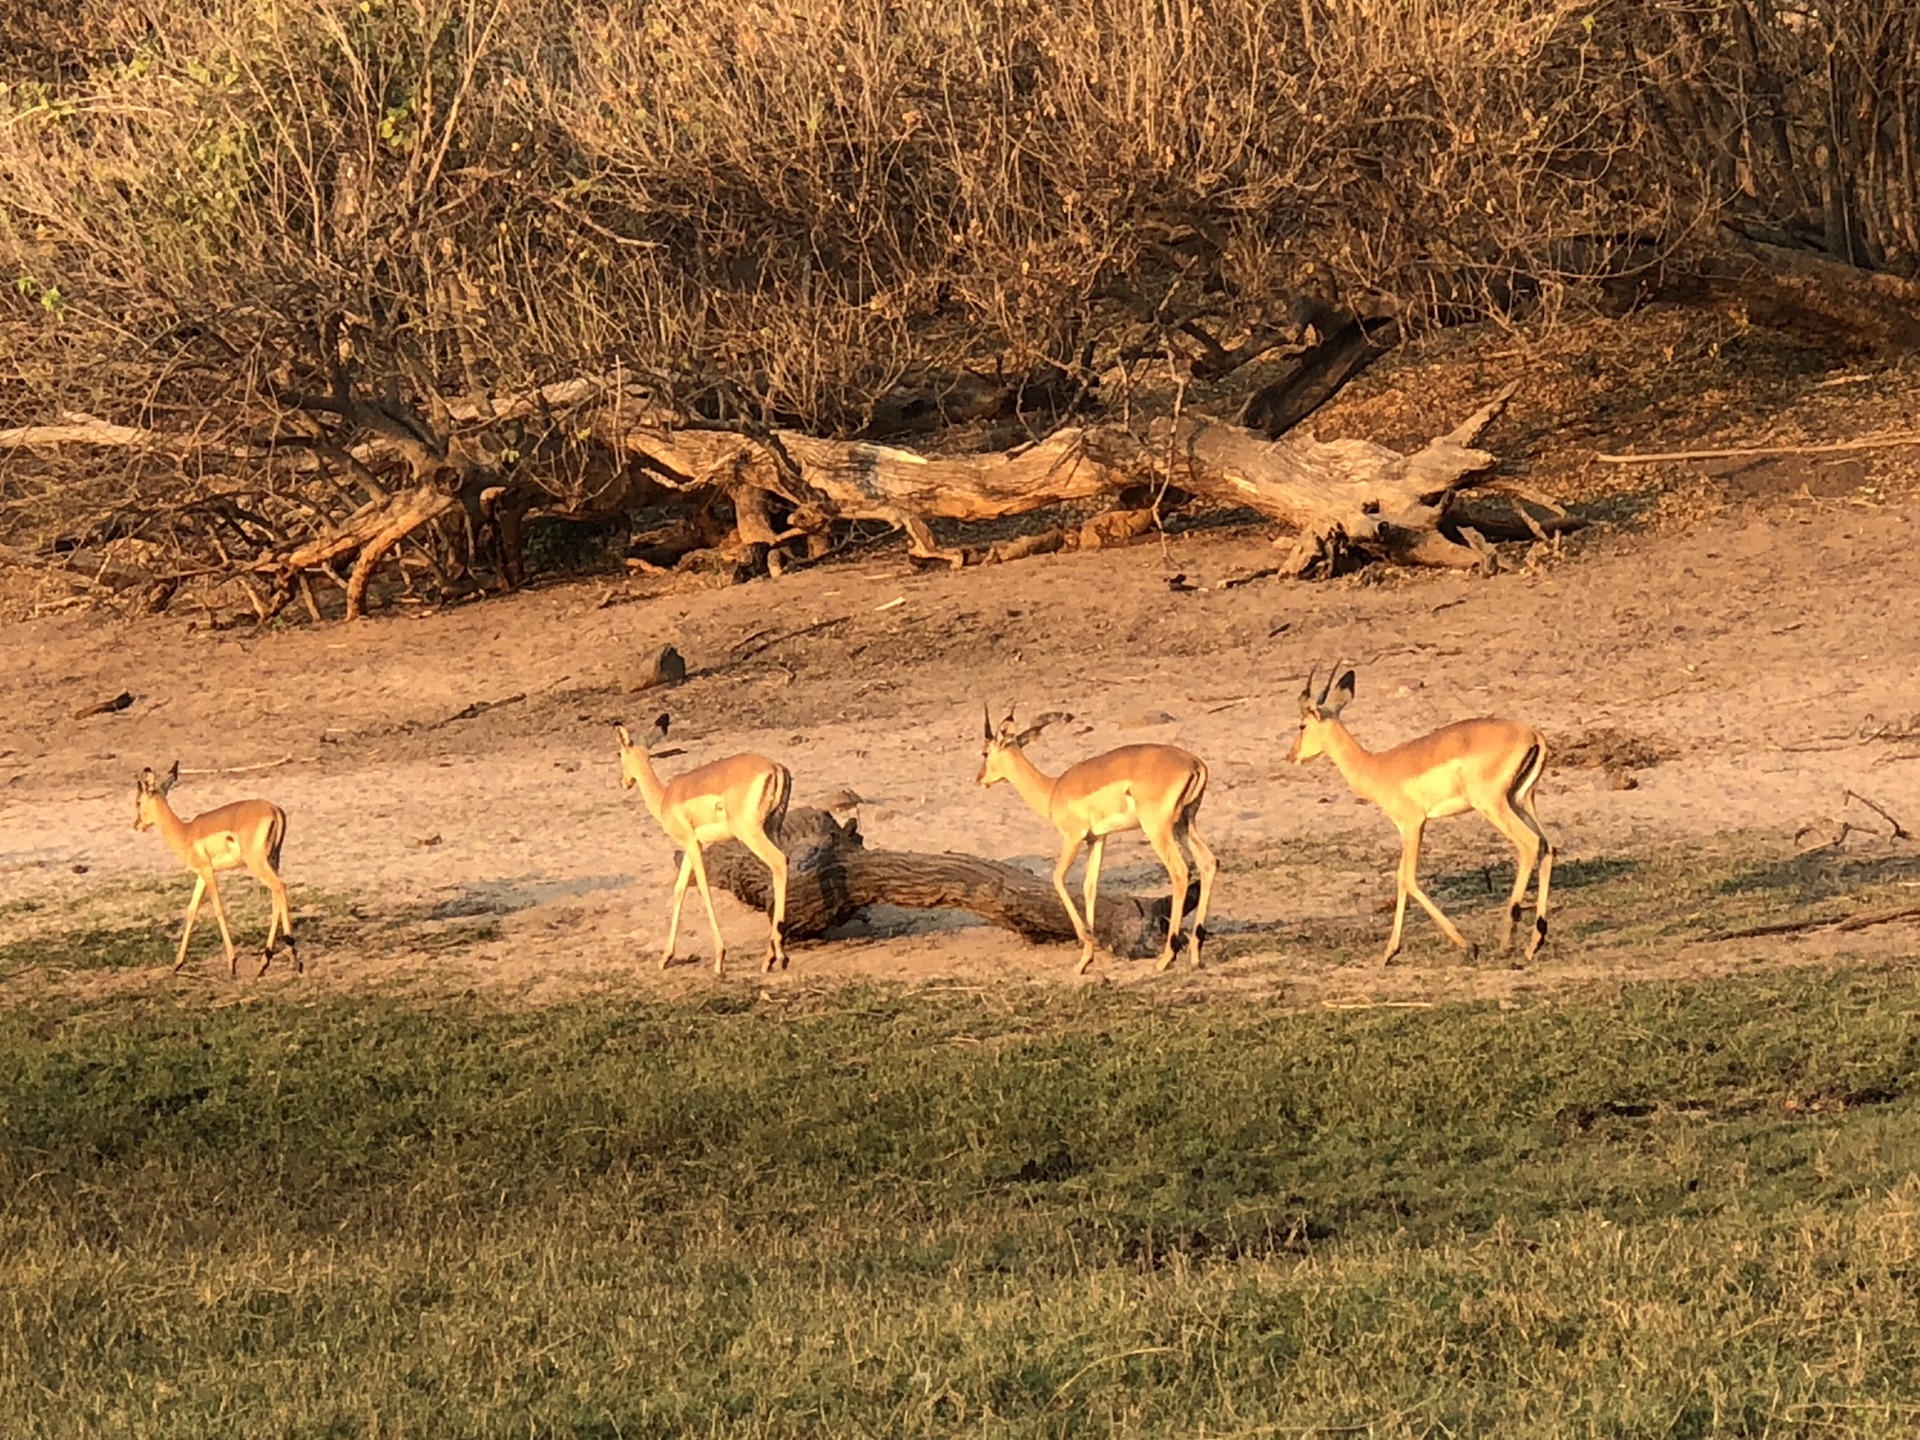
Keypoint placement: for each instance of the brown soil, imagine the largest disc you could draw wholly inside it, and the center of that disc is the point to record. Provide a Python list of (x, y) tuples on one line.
[(1742, 662)]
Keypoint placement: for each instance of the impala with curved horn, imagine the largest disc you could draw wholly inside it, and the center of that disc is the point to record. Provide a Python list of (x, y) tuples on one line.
[(743, 797), (1156, 789), (246, 832), (1489, 766)]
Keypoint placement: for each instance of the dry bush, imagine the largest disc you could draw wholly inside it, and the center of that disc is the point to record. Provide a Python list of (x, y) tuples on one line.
[(234, 222)]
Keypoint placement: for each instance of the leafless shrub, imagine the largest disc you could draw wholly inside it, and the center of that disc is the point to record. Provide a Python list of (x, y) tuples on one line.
[(239, 226)]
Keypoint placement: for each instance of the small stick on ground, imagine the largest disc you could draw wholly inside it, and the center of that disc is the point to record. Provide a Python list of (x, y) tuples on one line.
[(106, 707), (1866, 442), (1899, 831), (1799, 927)]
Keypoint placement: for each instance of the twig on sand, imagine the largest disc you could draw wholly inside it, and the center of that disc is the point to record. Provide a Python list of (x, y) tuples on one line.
[(248, 769), (478, 708), (1866, 442), (1899, 831), (1826, 923)]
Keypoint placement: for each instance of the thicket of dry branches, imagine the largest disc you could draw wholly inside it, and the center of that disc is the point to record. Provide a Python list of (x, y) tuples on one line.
[(313, 259)]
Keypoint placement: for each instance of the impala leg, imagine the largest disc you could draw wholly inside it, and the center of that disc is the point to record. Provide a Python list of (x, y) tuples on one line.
[(1067, 852), (1528, 846), (193, 911), (282, 921), (1090, 885), (706, 894), (1410, 885), (679, 896), (1409, 858), (1208, 867), (1546, 876), (1168, 849), (775, 859), (286, 926), (1523, 803), (226, 935)]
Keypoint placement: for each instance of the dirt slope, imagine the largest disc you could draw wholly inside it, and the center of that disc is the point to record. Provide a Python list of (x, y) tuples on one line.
[(1754, 649)]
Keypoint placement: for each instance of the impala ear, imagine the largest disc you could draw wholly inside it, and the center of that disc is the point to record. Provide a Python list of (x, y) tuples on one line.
[(626, 740), (1052, 717), (659, 731), (1342, 693), (986, 722), (1006, 727), (146, 780), (172, 775)]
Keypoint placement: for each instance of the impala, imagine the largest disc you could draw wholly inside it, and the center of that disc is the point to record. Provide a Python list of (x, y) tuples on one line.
[(247, 832), (1490, 766), (1156, 789), (743, 797)]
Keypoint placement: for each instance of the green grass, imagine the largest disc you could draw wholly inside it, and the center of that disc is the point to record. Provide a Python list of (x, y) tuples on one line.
[(1653, 899), (1688, 1210), (136, 926)]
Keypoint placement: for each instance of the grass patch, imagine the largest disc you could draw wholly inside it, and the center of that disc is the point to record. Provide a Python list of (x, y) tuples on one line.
[(137, 926), (1687, 1210), (1665, 897)]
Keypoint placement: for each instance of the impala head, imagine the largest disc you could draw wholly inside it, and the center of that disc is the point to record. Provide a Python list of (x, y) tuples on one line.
[(1318, 713), (996, 754), (150, 790), (633, 758)]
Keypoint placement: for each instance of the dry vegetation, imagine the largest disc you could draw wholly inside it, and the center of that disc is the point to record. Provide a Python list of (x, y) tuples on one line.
[(290, 283), (297, 285)]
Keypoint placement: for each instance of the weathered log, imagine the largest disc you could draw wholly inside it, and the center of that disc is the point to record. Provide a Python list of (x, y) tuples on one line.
[(1347, 345), (1835, 307), (369, 535), (832, 876), (1340, 493), (1332, 497)]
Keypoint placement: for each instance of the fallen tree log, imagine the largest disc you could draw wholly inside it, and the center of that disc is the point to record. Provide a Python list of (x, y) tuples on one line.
[(1333, 498), (1833, 306), (1331, 495), (832, 876)]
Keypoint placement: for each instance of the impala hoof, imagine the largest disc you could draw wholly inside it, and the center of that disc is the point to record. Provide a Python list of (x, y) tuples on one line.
[(1539, 937)]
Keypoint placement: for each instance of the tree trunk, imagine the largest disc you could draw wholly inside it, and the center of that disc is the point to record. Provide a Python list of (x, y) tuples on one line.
[(1835, 307), (832, 876), (1330, 494)]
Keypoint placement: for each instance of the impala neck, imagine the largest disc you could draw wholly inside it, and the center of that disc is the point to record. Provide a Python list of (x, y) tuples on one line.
[(1036, 789), (651, 790), (1357, 765), (173, 830)]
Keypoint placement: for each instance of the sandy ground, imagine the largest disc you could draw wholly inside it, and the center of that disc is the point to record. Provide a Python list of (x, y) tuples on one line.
[(1758, 649)]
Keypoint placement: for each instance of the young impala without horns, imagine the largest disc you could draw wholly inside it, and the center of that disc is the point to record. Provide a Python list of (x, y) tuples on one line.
[(1486, 765), (247, 832), (1156, 789), (743, 797)]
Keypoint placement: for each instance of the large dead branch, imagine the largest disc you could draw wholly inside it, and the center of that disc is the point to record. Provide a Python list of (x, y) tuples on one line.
[(1330, 497), (1328, 494), (832, 876)]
